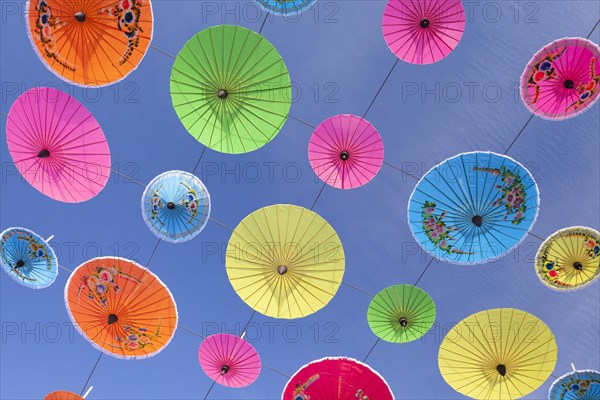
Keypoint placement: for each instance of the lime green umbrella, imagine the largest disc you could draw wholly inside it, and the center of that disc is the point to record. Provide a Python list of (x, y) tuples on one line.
[(401, 313), (231, 89)]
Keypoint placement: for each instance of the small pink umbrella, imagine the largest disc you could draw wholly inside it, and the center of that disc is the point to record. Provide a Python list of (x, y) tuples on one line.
[(57, 145), (561, 80), (345, 151), (423, 31), (229, 360)]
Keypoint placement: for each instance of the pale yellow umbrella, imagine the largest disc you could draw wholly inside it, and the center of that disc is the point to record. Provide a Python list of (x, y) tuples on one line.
[(498, 354), (285, 261)]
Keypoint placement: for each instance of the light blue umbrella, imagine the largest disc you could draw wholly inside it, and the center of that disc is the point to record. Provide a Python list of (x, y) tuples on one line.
[(176, 206), (576, 385), (286, 7), (27, 258), (473, 208)]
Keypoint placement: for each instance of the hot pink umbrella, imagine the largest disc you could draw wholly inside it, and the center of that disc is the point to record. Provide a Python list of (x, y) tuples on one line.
[(229, 360), (562, 79), (423, 31), (345, 151), (337, 378), (57, 145)]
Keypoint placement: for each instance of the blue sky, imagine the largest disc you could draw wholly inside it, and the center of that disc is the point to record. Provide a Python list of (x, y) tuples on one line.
[(337, 60)]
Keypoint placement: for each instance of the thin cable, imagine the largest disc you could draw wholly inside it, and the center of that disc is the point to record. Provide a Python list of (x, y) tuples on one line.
[(91, 373), (425, 270), (276, 371), (247, 323), (128, 178), (357, 288), (401, 170), (220, 223), (6, 115), (370, 351), (263, 24), (319, 195), (199, 158), (163, 52), (381, 87), (302, 122), (593, 29), (191, 331), (519, 134), (209, 389), (153, 252), (535, 236), (66, 269)]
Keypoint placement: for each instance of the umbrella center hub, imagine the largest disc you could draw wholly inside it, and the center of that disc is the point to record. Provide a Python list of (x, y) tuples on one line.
[(424, 23), (171, 205), (222, 94), (578, 266), (501, 368), (112, 318), (344, 155), (477, 220), (403, 321), (79, 16), (569, 84), (20, 263), (44, 153), (224, 369), (282, 269)]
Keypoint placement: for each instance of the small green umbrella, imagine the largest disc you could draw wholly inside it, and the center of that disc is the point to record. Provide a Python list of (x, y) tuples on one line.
[(401, 313), (231, 89)]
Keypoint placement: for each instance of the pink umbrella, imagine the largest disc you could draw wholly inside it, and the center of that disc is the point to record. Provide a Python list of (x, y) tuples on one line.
[(57, 145), (561, 80), (423, 31), (337, 378), (345, 151), (229, 360)]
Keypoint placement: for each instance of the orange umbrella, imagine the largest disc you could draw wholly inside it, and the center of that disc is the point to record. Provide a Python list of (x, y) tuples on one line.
[(121, 308), (63, 395), (90, 43)]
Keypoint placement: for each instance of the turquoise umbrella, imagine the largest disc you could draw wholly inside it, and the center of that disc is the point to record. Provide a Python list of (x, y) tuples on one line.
[(576, 385), (27, 258), (473, 208), (286, 7), (176, 206)]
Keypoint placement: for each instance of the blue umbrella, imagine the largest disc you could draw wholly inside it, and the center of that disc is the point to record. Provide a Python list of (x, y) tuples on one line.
[(576, 385), (27, 258), (286, 7), (176, 206), (473, 208)]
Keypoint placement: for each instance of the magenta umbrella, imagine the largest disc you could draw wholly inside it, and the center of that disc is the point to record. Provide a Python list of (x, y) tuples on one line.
[(345, 151), (561, 80), (229, 360), (423, 31), (57, 145)]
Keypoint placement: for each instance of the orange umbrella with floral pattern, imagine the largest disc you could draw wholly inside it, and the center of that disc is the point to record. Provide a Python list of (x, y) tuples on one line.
[(121, 308), (90, 43)]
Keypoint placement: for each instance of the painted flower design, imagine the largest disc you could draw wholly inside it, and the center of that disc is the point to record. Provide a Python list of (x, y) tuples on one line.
[(191, 202), (587, 89), (592, 247), (436, 229), (45, 25), (102, 281), (512, 193), (137, 337), (543, 71), (127, 14)]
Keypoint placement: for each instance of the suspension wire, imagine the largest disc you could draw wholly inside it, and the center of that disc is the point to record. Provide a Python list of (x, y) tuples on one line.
[(357, 289), (263, 23), (401, 170), (91, 373), (128, 178), (381, 87), (163, 52), (372, 348)]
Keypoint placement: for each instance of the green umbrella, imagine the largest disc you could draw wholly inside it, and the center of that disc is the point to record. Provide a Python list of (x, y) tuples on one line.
[(401, 313), (231, 89)]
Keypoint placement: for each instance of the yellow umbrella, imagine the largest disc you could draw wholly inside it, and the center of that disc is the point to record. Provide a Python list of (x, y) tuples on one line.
[(498, 354), (569, 258), (285, 261)]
